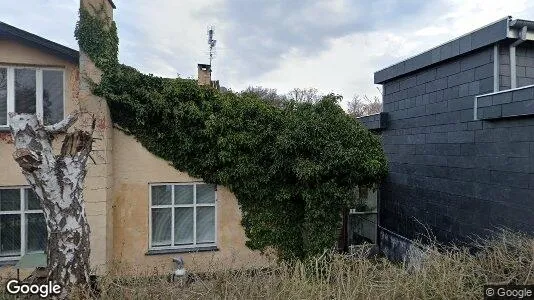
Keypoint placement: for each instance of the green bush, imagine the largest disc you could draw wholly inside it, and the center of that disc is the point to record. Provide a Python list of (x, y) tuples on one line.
[(292, 168)]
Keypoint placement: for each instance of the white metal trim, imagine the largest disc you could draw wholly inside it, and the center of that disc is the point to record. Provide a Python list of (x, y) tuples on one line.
[(513, 67), (506, 91), (39, 94), (475, 108), (22, 223), (149, 216), (194, 214), (496, 74), (10, 91), (172, 215)]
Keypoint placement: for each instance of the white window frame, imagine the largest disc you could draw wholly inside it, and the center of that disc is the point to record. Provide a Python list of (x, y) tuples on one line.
[(172, 206), (38, 89), (22, 212)]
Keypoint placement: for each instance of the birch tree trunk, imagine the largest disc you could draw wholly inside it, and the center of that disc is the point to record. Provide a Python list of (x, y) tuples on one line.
[(58, 182)]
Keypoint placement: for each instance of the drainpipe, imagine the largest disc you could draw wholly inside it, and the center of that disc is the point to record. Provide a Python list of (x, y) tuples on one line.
[(496, 75), (513, 67)]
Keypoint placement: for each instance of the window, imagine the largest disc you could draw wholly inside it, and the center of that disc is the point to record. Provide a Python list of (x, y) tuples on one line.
[(362, 220), (22, 224), (182, 215), (31, 90)]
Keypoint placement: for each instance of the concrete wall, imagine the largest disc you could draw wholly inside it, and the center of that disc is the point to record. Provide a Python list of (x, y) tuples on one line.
[(14, 53), (99, 182), (134, 169), (504, 67), (449, 174)]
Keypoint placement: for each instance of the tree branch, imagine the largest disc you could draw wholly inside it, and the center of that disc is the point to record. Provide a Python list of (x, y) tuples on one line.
[(64, 124)]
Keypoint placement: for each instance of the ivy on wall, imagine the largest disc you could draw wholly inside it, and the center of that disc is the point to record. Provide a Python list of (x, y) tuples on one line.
[(292, 168), (97, 36)]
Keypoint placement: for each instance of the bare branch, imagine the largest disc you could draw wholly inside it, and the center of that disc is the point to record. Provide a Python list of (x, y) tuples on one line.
[(64, 124)]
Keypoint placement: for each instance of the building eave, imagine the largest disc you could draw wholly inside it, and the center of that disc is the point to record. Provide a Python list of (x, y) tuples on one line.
[(10, 32), (482, 37)]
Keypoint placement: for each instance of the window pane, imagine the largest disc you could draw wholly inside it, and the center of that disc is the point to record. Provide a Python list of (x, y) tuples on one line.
[(25, 91), (9, 235), (32, 202), (36, 232), (52, 96), (3, 96), (183, 194), (161, 226), (161, 195), (183, 222), (205, 193), (205, 224), (9, 199)]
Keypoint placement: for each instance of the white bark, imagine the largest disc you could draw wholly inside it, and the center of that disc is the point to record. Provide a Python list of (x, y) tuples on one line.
[(58, 182)]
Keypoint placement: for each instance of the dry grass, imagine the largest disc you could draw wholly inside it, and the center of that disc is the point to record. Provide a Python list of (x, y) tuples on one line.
[(450, 273)]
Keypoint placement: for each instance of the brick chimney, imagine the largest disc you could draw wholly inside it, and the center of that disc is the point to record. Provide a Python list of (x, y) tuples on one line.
[(204, 74), (99, 179)]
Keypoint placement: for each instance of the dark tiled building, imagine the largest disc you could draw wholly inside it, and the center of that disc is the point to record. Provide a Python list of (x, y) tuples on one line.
[(459, 138)]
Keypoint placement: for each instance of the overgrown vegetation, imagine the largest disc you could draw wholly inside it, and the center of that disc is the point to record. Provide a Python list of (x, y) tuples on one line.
[(292, 168), (445, 274)]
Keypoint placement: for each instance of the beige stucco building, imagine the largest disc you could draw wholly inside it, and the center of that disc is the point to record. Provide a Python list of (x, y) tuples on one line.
[(141, 210)]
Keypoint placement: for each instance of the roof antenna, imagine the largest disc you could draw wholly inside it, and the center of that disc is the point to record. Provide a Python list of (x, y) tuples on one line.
[(211, 42)]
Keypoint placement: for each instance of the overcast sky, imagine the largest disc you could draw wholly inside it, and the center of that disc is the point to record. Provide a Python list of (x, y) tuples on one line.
[(332, 45)]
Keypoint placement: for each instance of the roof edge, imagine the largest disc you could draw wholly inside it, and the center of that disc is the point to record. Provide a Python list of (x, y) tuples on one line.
[(476, 39), (34, 40), (112, 4)]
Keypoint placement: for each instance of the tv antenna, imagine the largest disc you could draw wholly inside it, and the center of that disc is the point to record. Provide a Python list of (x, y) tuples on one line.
[(211, 42)]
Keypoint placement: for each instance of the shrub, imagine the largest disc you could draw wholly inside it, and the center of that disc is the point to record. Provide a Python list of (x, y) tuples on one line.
[(445, 273), (292, 168)]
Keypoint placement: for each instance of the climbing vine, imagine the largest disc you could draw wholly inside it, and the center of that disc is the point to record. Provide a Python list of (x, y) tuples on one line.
[(97, 36), (293, 168)]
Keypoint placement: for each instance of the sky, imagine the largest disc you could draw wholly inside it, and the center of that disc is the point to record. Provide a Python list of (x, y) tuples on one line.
[(332, 45)]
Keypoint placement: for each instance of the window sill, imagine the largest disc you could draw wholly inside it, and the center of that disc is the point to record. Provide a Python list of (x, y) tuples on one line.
[(9, 263), (181, 250), (4, 129)]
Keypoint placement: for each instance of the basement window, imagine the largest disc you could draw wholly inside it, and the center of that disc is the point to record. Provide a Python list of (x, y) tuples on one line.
[(182, 215), (32, 90), (22, 224)]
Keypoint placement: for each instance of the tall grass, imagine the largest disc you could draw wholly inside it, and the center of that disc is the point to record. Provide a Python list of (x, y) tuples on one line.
[(444, 273)]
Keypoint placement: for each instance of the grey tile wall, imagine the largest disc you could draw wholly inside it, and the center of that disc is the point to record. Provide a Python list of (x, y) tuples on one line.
[(525, 64), (504, 67), (374, 122), (448, 173), (512, 103)]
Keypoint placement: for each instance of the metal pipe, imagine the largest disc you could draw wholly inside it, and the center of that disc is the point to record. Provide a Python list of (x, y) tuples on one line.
[(513, 67), (496, 74), (513, 64)]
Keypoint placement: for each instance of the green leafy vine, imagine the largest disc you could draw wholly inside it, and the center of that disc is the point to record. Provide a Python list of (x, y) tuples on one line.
[(292, 168)]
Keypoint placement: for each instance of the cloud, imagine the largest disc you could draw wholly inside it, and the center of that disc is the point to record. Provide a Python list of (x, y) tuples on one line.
[(258, 34), (52, 19), (332, 45), (163, 37)]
